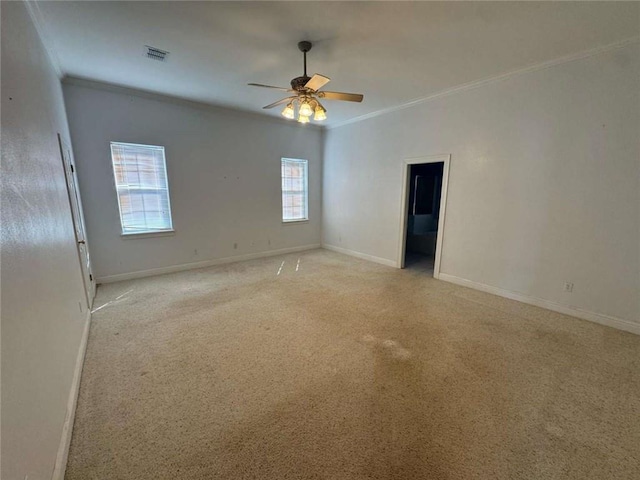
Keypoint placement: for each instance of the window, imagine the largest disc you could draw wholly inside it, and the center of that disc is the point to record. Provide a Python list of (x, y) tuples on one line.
[(295, 197), (141, 184)]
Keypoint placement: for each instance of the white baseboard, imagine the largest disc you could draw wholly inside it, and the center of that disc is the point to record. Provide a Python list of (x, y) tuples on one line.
[(67, 428), (364, 256), (206, 263), (607, 320)]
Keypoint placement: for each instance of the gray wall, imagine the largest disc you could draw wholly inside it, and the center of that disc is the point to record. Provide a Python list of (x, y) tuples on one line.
[(544, 183), (224, 178), (42, 291)]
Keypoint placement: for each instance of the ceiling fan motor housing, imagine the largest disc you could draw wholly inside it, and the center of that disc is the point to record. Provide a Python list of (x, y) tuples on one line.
[(298, 83)]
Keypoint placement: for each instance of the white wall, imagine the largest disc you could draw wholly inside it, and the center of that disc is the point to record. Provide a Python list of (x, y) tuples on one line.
[(42, 290), (544, 185), (224, 178)]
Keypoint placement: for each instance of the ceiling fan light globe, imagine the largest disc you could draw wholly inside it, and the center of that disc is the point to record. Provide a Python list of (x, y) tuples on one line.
[(320, 114), (305, 109), (288, 112), (303, 118)]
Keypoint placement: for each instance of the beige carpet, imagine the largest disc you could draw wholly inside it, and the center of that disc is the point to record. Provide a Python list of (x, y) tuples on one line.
[(337, 368)]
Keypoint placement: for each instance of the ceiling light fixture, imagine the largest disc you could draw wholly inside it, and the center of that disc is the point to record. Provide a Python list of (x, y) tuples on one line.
[(289, 112), (305, 93), (321, 113), (305, 108)]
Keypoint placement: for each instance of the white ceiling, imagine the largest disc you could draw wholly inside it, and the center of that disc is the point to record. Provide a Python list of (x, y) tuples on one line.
[(392, 52)]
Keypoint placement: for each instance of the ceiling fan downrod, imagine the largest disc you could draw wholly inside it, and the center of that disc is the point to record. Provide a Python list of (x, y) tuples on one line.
[(304, 47)]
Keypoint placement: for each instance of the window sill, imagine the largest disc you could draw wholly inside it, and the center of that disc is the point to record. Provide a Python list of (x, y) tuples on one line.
[(294, 222), (163, 233)]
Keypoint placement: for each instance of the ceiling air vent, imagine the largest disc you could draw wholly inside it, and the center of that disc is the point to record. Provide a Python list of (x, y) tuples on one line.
[(155, 53)]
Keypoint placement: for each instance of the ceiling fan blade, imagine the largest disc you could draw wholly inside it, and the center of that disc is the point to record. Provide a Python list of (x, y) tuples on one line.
[(269, 86), (317, 82), (279, 102), (347, 97)]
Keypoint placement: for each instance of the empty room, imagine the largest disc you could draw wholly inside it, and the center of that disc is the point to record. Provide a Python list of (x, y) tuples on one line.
[(320, 240)]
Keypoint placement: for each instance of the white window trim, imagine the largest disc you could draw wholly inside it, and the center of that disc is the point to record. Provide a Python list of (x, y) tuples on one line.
[(146, 233), (154, 233), (306, 191), (290, 222)]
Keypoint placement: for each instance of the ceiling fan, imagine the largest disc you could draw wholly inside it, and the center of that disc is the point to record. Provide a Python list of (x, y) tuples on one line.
[(306, 94)]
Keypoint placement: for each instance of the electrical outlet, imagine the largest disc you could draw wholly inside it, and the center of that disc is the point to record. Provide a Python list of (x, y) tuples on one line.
[(568, 287), (235, 246)]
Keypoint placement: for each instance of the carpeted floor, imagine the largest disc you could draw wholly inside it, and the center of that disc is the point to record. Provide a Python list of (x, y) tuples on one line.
[(321, 366)]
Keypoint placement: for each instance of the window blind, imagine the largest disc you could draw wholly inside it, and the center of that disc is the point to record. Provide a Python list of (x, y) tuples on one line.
[(141, 183), (295, 197)]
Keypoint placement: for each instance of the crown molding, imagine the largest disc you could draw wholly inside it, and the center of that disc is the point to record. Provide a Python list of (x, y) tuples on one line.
[(159, 97), (38, 22), (496, 78)]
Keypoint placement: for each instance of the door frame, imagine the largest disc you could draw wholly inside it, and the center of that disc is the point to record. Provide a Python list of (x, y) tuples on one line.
[(404, 203), (69, 170)]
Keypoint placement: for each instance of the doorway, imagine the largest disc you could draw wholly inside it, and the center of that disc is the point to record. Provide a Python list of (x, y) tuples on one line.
[(78, 221), (423, 210)]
